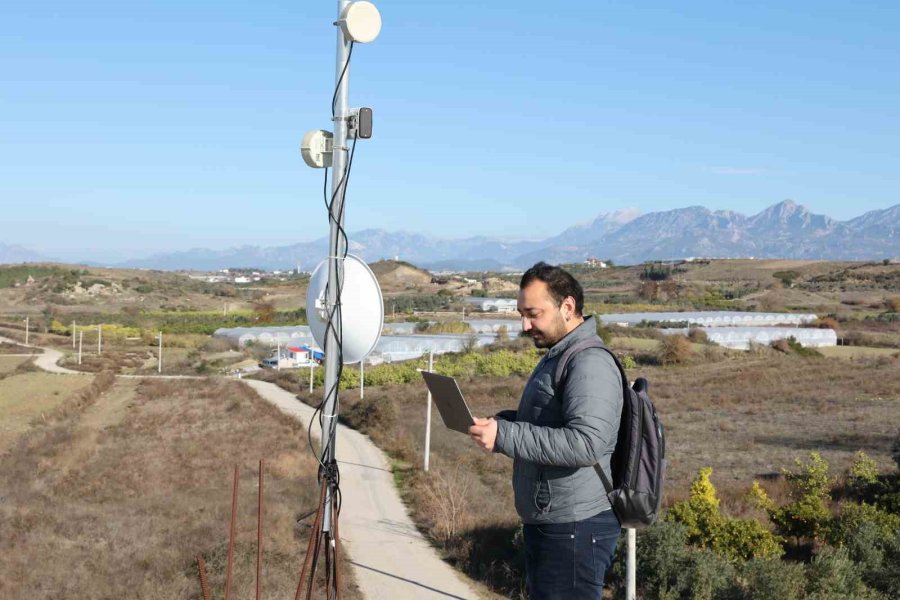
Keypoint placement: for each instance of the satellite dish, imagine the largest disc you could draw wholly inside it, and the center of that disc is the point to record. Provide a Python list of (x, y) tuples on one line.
[(362, 309)]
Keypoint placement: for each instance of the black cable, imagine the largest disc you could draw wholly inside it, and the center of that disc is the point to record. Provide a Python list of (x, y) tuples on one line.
[(329, 474)]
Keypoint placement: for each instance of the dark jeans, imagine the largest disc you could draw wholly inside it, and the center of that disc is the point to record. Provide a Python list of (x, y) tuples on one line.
[(569, 560)]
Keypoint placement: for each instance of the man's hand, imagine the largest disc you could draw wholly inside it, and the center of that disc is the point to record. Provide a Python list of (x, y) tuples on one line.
[(484, 432)]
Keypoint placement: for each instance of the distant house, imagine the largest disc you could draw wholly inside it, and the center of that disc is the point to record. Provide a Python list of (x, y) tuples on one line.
[(241, 279), (596, 263)]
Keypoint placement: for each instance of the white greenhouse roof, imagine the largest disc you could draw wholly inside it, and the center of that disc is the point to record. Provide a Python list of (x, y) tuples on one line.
[(720, 318), (740, 337)]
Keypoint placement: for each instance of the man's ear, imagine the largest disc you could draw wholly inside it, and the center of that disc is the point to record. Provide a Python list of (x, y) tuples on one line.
[(568, 307)]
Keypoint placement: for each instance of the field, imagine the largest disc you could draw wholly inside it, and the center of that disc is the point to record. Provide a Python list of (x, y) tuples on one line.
[(122, 483), (746, 415), (127, 480)]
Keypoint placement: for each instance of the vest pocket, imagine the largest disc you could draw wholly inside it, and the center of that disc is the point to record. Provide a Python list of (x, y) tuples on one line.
[(543, 496)]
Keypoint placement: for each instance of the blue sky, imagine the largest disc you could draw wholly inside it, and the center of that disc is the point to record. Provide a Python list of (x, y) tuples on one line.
[(133, 127)]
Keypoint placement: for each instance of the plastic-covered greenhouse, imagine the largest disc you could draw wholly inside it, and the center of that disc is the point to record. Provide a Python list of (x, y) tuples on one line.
[(389, 347), (513, 326), (710, 318), (741, 337)]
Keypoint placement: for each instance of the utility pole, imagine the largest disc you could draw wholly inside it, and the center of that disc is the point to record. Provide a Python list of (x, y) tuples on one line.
[(73, 335), (311, 367), (159, 364), (99, 339), (278, 355), (428, 413), (362, 379), (356, 22), (26, 330), (80, 340)]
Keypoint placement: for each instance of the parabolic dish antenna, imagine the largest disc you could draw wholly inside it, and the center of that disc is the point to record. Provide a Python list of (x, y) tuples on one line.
[(362, 309)]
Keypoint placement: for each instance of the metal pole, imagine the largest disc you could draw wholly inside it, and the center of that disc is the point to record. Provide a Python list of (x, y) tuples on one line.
[(277, 355), (362, 379), (159, 366), (631, 565), (99, 338), (26, 331), (259, 528), (80, 341), (336, 250), (310, 379), (73, 335), (428, 413)]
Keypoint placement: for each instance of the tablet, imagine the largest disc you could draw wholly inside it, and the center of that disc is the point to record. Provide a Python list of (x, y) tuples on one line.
[(450, 402)]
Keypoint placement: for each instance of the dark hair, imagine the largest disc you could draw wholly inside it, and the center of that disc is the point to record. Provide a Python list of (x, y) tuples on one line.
[(559, 281)]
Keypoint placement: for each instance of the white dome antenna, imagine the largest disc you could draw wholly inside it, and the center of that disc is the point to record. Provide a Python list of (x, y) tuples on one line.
[(360, 22)]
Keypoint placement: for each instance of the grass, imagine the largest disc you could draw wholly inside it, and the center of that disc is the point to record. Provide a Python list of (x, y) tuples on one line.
[(116, 498), (852, 352), (26, 397), (9, 364)]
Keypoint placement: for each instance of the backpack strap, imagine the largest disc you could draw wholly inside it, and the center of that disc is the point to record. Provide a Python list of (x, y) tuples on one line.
[(560, 373)]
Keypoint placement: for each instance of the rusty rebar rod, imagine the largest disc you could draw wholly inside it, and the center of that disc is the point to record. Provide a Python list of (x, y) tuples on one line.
[(313, 540), (259, 520), (234, 497), (204, 584), (337, 549)]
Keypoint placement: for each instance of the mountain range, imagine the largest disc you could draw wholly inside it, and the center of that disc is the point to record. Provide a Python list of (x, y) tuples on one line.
[(783, 230)]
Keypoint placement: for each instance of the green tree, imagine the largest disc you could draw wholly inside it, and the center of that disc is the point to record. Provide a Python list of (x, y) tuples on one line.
[(807, 515)]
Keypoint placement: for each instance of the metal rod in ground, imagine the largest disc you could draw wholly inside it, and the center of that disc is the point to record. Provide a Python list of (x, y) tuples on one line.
[(314, 534), (259, 520), (204, 583), (631, 565), (234, 497), (337, 550)]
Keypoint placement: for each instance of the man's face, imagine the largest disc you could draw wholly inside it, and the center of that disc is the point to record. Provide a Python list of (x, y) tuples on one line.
[(542, 319)]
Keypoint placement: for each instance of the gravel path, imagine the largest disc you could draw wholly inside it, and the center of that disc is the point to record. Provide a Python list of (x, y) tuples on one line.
[(391, 558)]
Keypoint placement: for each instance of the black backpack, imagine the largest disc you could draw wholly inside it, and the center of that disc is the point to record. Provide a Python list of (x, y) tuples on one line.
[(639, 460)]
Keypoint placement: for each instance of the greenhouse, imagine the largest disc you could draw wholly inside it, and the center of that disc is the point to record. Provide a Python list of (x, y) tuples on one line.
[(709, 318), (740, 338), (513, 326), (389, 347)]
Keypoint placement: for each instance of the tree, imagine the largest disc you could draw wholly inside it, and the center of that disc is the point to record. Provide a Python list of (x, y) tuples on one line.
[(807, 515)]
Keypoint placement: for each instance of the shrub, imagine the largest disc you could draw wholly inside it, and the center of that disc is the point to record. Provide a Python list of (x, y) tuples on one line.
[(864, 470), (734, 539), (807, 516), (833, 575), (603, 332), (674, 349), (895, 451), (852, 516), (892, 303), (773, 579), (786, 277), (697, 336), (706, 576), (661, 553)]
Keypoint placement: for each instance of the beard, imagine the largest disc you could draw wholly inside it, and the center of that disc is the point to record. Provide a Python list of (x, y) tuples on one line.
[(546, 338)]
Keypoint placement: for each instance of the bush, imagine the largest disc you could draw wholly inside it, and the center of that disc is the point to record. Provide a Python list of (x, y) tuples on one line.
[(773, 579), (662, 553), (674, 349), (807, 516), (833, 575), (852, 516), (895, 451), (734, 539), (697, 336), (603, 332)]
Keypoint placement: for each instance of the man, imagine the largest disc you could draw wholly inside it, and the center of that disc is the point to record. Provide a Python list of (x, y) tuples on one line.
[(555, 438)]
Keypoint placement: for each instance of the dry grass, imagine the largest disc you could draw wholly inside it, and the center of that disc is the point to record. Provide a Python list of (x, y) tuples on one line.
[(117, 498), (8, 364), (30, 396)]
